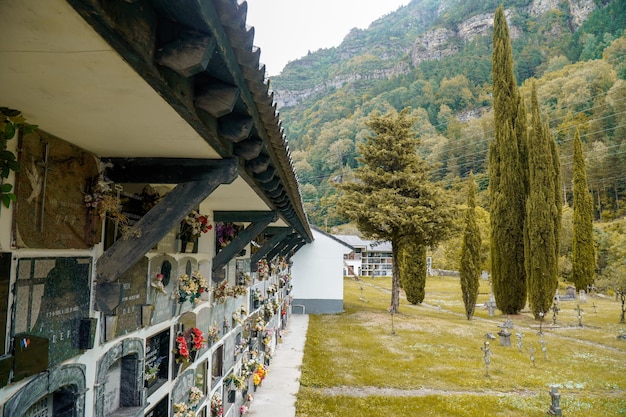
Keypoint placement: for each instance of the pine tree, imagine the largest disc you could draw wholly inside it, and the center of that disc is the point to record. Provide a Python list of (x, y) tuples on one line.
[(392, 196), (543, 212), (413, 270), (508, 177), (470, 268), (583, 250)]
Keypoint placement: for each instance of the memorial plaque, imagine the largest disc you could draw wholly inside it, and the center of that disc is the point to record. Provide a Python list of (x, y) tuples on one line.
[(157, 360), (180, 392), (201, 373), (229, 351), (162, 287), (161, 409), (217, 365), (5, 275), (52, 213), (203, 321), (134, 295), (186, 266), (52, 296), (112, 388)]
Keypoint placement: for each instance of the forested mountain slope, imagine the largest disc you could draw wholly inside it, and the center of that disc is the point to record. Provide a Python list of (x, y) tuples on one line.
[(435, 57)]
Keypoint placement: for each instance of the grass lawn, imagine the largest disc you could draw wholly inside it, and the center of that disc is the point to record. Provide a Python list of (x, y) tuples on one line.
[(433, 364)]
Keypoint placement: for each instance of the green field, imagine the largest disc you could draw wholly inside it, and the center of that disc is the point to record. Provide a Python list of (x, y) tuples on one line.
[(433, 365)]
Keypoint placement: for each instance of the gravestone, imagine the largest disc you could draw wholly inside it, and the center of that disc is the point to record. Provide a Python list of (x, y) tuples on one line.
[(505, 337), (180, 391), (555, 407), (112, 388), (52, 296), (134, 296), (161, 290), (582, 296), (157, 360), (203, 321), (52, 213), (217, 365), (570, 294)]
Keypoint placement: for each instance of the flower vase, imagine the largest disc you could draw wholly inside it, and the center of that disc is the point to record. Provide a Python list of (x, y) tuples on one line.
[(189, 245)]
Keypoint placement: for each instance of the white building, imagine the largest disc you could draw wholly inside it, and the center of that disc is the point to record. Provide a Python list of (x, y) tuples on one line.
[(369, 258), (317, 271)]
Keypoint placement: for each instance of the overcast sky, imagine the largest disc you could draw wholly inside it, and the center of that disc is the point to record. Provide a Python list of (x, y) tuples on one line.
[(286, 30)]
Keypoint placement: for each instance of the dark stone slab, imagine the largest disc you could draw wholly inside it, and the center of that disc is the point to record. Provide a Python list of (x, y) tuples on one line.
[(158, 355), (43, 185), (134, 295), (161, 409), (52, 296)]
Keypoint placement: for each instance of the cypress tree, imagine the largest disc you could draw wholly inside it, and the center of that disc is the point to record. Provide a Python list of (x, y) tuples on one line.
[(413, 270), (508, 177), (543, 213), (470, 267), (583, 250)]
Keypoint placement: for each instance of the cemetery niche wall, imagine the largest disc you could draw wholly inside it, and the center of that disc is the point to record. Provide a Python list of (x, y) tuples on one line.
[(52, 296)]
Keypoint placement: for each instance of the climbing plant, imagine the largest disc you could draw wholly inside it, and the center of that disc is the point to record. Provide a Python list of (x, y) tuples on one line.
[(11, 121)]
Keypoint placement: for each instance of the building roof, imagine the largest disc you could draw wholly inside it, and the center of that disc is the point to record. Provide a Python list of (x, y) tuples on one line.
[(161, 79), (369, 245), (333, 237)]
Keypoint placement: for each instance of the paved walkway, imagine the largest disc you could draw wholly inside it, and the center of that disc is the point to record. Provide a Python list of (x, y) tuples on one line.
[(276, 397)]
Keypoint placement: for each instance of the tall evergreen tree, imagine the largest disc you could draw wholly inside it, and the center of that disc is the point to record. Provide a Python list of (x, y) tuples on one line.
[(583, 250), (413, 270), (392, 197), (543, 212), (508, 176), (470, 267)]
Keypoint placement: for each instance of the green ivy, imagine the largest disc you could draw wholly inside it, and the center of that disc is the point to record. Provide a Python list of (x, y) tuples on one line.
[(11, 121)]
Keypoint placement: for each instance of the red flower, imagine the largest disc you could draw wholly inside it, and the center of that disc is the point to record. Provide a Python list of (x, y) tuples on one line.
[(182, 347)]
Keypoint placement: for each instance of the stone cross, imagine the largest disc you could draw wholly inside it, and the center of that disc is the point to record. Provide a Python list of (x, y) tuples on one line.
[(519, 336), (544, 349), (555, 407), (580, 315), (45, 165), (595, 307), (532, 351), (487, 352), (555, 312)]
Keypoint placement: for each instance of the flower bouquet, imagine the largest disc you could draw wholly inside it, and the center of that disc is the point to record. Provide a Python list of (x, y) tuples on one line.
[(224, 234), (183, 410), (191, 287), (213, 334), (193, 225), (197, 339), (181, 351), (195, 395), (217, 408)]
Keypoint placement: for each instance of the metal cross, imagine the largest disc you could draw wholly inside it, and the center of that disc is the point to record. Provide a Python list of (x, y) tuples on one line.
[(45, 164)]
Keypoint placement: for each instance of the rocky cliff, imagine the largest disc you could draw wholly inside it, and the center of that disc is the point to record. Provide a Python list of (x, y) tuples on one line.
[(432, 43)]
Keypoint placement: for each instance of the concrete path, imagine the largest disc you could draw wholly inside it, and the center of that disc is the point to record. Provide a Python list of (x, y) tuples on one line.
[(276, 397)]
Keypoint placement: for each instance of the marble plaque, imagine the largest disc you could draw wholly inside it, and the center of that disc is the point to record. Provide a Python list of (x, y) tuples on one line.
[(112, 387), (51, 212), (134, 294), (162, 287), (52, 296), (180, 392), (203, 321), (157, 360)]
